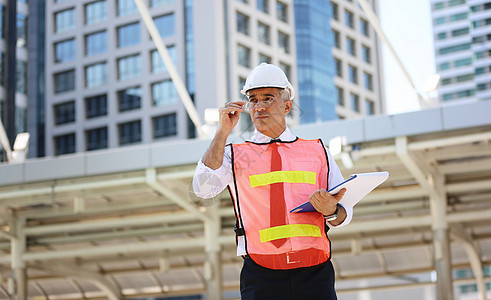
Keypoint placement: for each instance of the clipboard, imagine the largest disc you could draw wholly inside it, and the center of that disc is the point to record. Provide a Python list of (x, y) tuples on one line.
[(357, 187)]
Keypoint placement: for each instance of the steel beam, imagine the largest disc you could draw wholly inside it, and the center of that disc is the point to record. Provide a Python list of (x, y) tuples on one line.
[(151, 179), (433, 183), (458, 232)]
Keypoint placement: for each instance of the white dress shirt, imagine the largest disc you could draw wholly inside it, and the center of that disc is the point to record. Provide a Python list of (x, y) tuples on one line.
[(207, 183)]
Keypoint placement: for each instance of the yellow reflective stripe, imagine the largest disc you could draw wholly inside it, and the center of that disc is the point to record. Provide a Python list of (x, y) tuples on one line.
[(288, 231), (282, 176)]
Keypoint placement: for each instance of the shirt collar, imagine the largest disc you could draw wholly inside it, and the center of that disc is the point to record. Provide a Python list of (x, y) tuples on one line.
[(286, 136)]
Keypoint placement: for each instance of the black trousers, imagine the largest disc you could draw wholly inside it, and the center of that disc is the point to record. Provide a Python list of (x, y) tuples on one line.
[(312, 283)]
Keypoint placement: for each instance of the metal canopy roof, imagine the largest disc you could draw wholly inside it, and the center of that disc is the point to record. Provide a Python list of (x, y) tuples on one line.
[(122, 223)]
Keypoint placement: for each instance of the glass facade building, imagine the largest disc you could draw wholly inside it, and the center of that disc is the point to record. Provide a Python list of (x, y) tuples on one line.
[(315, 62), (462, 38)]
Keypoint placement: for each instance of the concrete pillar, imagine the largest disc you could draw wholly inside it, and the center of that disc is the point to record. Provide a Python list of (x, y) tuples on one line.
[(441, 244), (213, 264), (18, 288)]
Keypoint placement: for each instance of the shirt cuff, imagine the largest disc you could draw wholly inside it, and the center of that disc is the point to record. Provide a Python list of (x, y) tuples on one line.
[(349, 216), (205, 169)]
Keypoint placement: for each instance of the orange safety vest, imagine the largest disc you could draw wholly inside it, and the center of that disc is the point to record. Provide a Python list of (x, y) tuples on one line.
[(304, 170)]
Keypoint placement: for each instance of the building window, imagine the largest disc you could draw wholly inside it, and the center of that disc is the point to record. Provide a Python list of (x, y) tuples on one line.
[(458, 17), (20, 119), (95, 12), (446, 81), (164, 93), (129, 67), (365, 54), (284, 42), (456, 48), (353, 74), (65, 144), (96, 139), (337, 39), (96, 75), (64, 113), (263, 33), (439, 5), (335, 11), (263, 5), (126, 7), (368, 81), (364, 27), (158, 65), (466, 77), (455, 2), (130, 132), (21, 77), (282, 11), (444, 66), (64, 81), (166, 25), (264, 58), (242, 23), (96, 43), (480, 70), (339, 67), (355, 102), (440, 20), (155, 3), (286, 68), (65, 51), (448, 96), (2, 21), (351, 46), (128, 35), (463, 62), (460, 31), (348, 19), (65, 20), (244, 55), (95, 106), (465, 93), (164, 126), (340, 95), (21, 31), (441, 36), (129, 99), (369, 108)]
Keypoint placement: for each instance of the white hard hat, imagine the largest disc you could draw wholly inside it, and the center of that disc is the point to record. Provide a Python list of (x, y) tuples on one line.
[(267, 75)]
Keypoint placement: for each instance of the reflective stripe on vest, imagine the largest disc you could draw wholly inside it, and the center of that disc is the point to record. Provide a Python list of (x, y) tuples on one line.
[(282, 176), (288, 231), (304, 170)]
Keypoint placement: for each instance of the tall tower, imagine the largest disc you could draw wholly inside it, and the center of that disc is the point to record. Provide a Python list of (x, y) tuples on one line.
[(13, 66), (357, 52), (462, 33)]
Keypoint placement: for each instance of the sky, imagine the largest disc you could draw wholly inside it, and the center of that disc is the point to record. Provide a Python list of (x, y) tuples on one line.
[(407, 25)]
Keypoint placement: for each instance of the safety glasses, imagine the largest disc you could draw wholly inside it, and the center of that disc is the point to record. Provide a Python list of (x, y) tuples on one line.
[(254, 102)]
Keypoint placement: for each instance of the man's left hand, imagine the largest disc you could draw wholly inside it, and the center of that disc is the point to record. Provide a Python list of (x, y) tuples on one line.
[(324, 202)]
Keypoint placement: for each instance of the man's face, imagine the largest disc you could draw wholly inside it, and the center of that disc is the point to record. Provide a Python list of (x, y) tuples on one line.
[(269, 120)]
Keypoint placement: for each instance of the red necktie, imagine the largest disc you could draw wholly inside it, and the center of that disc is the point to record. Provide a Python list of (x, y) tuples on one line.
[(277, 206)]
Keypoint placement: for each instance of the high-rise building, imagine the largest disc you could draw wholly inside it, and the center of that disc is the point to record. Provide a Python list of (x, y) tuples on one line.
[(338, 60), (107, 86), (462, 34), (14, 57), (97, 81)]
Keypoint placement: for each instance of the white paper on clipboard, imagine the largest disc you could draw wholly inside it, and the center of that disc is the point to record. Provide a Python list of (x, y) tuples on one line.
[(357, 187)]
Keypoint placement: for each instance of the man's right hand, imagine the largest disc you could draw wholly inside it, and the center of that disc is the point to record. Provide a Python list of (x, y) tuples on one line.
[(229, 115)]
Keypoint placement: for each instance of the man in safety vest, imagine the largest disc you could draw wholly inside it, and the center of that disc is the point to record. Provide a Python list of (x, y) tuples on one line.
[(286, 255)]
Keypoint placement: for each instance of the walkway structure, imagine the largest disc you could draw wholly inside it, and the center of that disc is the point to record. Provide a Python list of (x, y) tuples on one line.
[(123, 223)]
